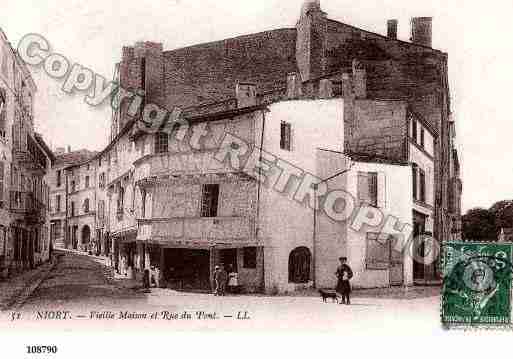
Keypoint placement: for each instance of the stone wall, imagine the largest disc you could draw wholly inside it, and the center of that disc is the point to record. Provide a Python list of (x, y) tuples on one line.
[(378, 128)]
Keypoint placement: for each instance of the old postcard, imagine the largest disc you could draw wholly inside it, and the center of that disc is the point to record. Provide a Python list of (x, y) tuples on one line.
[(254, 167)]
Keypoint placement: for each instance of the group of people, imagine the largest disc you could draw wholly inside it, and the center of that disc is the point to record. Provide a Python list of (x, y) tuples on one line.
[(223, 279)]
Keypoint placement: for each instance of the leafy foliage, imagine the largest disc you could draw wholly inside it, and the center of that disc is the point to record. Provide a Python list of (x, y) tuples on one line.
[(484, 225)]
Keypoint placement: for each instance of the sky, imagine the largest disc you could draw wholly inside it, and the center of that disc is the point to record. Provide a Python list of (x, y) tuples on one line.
[(476, 35)]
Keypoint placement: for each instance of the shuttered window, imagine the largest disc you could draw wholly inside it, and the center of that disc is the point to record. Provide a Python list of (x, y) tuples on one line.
[(3, 113), (161, 142), (368, 188), (381, 251), (422, 186), (414, 181), (101, 209), (413, 129), (2, 180), (419, 184)]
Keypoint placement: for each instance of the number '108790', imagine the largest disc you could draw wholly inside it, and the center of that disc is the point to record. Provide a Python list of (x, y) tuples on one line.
[(41, 349)]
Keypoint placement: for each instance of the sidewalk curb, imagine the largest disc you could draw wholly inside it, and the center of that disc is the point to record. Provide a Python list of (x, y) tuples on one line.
[(23, 295)]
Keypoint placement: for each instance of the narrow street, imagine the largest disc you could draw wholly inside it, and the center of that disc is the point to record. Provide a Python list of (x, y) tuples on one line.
[(81, 281), (83, 285)]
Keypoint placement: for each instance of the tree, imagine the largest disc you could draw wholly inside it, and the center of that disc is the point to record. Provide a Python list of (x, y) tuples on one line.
[(479, 225), (503, 213)]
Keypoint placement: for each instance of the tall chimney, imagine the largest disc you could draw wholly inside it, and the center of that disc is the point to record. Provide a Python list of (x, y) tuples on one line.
[(392, 29), (294, 85), (359, 80), (421, 31), (69, 149)]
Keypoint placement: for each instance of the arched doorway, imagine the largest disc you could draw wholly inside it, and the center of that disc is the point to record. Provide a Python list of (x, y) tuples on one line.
[(300, 260), (86, 237)]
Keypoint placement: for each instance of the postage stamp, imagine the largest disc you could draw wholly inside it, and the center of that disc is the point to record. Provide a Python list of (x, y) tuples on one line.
[(477, 284)]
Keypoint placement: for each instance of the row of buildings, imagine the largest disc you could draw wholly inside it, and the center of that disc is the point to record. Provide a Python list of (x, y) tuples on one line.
[(282, 132), (25, 160)]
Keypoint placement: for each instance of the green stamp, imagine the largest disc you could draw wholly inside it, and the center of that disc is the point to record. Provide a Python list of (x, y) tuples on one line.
[(477, 284)]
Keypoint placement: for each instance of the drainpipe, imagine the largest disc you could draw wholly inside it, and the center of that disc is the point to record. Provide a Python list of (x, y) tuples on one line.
[(314, 234), (259, 186), (66, 227)]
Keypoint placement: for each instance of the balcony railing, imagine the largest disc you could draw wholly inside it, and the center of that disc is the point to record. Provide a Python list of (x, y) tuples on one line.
[(26, 203), (226, 229), (27, 152)]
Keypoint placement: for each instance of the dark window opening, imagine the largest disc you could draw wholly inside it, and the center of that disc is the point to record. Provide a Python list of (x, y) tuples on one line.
[(414, 181), (299, 265), (414, 130), (250, 257), (422, 186), (209, 201), (285, 136)]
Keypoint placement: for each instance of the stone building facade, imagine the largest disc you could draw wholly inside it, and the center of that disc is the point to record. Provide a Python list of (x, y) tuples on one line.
[(24, 162), (381, 102), (60, 183)]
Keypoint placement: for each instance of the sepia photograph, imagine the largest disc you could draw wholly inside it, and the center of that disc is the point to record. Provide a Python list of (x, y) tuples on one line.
[(294, 166)]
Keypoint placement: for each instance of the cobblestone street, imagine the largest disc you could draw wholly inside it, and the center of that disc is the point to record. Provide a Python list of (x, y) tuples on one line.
[(82, 285)]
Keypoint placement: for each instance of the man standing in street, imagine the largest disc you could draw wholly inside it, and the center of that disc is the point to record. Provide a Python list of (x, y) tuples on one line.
[(220, 279), (344, 275)]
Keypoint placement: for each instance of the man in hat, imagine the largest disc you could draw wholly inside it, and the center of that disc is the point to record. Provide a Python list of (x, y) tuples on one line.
[(220, 279), (344, 275)]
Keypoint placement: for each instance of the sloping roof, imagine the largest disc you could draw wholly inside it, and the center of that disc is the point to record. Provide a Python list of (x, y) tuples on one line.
[(208, 72), (42, 143), (364, 157), (75, 157)]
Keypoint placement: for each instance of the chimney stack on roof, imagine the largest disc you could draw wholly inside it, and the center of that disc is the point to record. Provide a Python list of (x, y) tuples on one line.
[(421, 31), (69, 149), (294, 85), (359, 79), (325, 89), (392, 29)]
